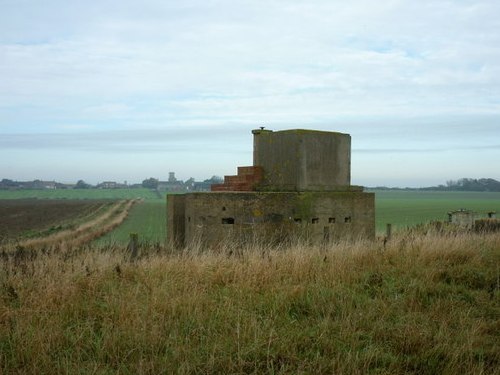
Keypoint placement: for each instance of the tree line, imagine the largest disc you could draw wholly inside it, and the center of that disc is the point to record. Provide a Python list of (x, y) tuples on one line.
[(468, 184)]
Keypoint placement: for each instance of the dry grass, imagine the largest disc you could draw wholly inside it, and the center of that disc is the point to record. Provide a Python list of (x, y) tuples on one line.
[(424, 304)]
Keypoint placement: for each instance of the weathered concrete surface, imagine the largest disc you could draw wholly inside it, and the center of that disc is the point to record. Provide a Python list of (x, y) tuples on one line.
[(303, 160), (463, 218), (321, 217), (303, 183), (176, 208)]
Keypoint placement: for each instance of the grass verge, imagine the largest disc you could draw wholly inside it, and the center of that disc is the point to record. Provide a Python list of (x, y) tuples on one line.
[(424, 304)]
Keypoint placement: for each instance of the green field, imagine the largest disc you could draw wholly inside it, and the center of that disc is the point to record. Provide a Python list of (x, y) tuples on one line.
[(148, 219), (408, 208), (400, 208), (146, 194)]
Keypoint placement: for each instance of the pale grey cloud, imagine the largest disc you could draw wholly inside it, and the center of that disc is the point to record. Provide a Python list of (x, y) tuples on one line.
[(417, 73), (424, 150), (124, 141)]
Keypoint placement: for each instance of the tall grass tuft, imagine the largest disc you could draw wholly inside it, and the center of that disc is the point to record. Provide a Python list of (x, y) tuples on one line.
[(421, 304)]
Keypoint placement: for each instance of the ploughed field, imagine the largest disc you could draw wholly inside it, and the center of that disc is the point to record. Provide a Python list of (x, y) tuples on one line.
[(55, 224), (148, 218), (22, 218), (146, 194), (39, 213)]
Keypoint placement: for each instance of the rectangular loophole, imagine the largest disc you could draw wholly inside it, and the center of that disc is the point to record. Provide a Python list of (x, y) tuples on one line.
[(331, 220), (298, 220), (228, 220), (347, 219), (315, 220)]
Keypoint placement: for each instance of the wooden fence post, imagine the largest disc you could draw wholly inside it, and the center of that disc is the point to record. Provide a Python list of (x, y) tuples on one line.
[(133, 246)]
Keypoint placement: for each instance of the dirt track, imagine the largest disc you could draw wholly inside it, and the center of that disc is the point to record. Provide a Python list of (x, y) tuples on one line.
[(86, 231), (19, 217)]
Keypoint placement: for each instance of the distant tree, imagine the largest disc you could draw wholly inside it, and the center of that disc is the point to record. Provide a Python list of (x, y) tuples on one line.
[(468, 184), (490, 184), (7, 182), (82, 185), (150, 183)]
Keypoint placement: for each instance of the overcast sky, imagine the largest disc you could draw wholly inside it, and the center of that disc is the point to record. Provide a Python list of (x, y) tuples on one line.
[(125, 90)]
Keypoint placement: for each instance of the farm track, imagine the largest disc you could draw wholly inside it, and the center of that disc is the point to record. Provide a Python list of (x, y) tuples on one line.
[(85, 232), (21, 219)]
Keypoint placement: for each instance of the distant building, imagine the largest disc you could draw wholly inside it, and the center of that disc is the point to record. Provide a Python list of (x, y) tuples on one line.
[(107, 185), (175, 185), (206, 185), (463, 218), (171, 186), (39, 184), (201, 186), (111, 185)]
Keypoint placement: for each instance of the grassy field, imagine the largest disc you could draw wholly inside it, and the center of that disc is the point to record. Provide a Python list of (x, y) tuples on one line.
[(146, 194), (400, 208), (420, 305), (408, 208), (147, 219)]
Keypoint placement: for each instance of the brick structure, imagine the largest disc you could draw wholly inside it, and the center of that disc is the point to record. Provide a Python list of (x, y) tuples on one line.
[(299, 185), (248, 179)]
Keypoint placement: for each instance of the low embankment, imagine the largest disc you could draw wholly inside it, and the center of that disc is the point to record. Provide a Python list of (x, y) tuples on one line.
[(421, 304)]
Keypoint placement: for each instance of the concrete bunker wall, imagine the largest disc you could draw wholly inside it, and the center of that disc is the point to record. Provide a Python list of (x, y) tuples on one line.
[(299, 185), (213, 218), (303, 160), (463, 218), (176, 230)]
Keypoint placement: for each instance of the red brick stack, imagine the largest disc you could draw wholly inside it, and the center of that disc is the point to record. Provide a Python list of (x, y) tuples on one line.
[(246, 180)]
